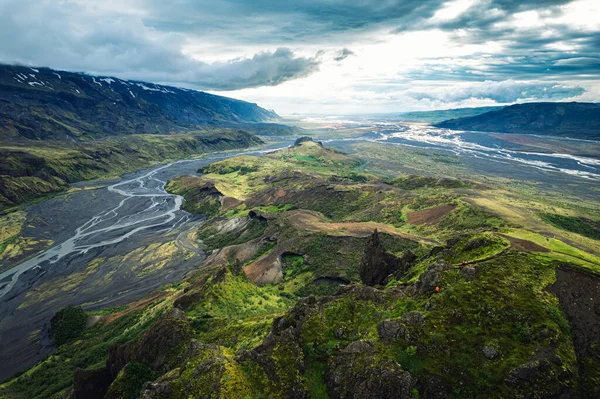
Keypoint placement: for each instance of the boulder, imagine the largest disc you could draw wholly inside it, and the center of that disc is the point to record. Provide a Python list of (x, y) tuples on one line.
[(468, 272), (490, 352), (431, 278), (406, 328)]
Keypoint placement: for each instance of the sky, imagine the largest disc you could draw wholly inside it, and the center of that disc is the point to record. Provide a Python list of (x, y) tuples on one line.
[(322, 57)]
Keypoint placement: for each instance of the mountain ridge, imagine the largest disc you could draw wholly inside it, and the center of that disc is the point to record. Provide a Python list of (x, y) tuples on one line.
[(576, 120), (47, 104)]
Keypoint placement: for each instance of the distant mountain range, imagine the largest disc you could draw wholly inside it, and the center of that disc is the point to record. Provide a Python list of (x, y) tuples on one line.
[(46, 104), (576, 120), (443, 114)]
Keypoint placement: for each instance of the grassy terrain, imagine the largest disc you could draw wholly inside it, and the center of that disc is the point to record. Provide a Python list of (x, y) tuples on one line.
[(277, 309), (33, 170)]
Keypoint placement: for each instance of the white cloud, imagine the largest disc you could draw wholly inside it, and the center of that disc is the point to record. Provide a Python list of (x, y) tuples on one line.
[(452, 10)]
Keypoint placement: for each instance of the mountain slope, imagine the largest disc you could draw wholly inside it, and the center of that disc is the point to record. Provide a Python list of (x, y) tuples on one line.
[(576, 120), (42, 104), (444, 114)]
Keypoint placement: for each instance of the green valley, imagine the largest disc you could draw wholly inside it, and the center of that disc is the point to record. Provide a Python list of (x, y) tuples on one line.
[(327, 276), (31, 170)]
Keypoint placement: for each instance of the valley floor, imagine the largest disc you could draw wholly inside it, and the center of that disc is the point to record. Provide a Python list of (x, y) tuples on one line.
[(381, 271)]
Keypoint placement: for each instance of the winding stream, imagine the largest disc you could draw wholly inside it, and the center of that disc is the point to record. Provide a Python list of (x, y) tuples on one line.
[(108, 224), (100, 230)]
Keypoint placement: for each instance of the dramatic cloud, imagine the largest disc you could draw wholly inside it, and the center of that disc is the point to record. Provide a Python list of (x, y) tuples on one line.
[(264, 69), (322, 56), (71, 37)]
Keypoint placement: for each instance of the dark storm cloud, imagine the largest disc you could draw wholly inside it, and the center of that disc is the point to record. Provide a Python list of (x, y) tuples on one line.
[(343, 54), (302, 20), (540, 65)]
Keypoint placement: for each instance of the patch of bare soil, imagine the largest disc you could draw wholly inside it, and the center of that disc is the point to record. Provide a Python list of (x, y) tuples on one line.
[(142, 303), (431, 215), (524, 245), (310, 221)]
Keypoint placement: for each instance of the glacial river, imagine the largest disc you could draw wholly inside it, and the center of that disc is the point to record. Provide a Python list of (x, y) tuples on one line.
[(136, 212), (101, 223)]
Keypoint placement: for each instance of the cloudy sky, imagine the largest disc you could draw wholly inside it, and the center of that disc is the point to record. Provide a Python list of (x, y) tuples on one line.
[(327, 56)]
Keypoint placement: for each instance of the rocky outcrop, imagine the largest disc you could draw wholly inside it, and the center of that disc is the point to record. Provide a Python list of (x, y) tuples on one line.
[(160, 349), (407, 328), (578, 293), (198, 376), (543, 377), (431, 277), (305, 139), (91, 384), (359, 372), (377, 264)]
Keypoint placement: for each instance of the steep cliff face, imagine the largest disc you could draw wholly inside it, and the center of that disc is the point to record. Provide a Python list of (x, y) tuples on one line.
[(377, 264), (44, 104)]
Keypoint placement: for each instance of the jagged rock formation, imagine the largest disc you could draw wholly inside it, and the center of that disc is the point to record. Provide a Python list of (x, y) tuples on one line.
[(159, 350), (377, 264), (357, 372), (579, 296)]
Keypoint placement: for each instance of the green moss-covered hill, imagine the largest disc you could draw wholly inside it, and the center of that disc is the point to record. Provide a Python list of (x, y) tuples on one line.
[(325, 281)]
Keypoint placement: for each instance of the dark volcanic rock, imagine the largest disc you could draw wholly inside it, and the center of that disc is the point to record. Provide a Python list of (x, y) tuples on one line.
[(407, 328), (490, 352), (475, 243), (468, 272), (359, 372), (162, 348), (377, 264), (431, 278), (578, 293), (91, 384), (118, 356), (156, 347), (542, 376)]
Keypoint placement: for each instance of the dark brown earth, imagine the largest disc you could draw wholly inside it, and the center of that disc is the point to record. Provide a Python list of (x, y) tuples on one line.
[(431, 215), (523, 245)]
